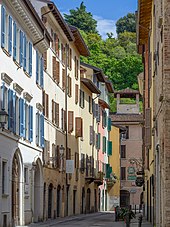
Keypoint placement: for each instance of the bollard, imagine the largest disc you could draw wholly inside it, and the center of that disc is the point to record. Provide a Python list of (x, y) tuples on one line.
[(140, 220)]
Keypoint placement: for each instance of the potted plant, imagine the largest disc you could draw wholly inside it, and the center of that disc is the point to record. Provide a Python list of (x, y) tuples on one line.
[(127, 214)]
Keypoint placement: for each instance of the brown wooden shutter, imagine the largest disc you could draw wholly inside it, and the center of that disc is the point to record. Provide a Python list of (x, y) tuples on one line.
[(91, 135), (76, 93), (54, 69), (45, 59), (69, 86), (62, 119), (70, 62), (79, 127), (65, 123), (53, 111), (63, 79), (57, 45), (57, 72), (75, 66), (70, 121), (57, 114), (62, 52), (58, 157), (148, 127), (46, 105)]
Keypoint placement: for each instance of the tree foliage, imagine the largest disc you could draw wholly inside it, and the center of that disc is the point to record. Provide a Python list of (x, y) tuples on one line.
[(126, 23), (82, 19)]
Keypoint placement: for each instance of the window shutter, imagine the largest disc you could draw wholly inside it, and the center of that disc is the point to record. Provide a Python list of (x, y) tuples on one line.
[(46, 105), (70, 58), (14, 41), (109, 148), (58, 157), (53, 111), (41, 73), (3, 23), (30, 134), (3, 96), (25, 52), (77, 68), (57, 72), (10, 110), (14, 112), (21, 49), (63, 78), (91, 135), (21, 117), (57, 114), (54, 69), (45, 60), (37, 128), (65, 120), (41, 130), (148, 127), (30, 59), (57, 46), (10, 35), (98, 141), (76, 93), (70, 121), (109, 124), (79, 127), (104, 144), (37, 67)]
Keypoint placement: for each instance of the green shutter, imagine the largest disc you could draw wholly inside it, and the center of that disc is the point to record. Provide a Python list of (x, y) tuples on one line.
[(98, 145), (108, 170), (109, 148), (109, 124), (104, 144)]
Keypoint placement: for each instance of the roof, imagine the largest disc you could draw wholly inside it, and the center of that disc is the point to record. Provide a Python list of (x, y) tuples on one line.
[(90, 85), (144, 17), (120, 118), (61, 21), (79, 42), (109, 85), (104, 104), (97, 71), (127, 93)]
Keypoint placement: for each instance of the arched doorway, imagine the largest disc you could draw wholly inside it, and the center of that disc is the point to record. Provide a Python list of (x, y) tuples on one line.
[(82, 200), (99, 200), (16, 190), (88, 200), (58, 200), (50, 199), (124, 198), (95, 200)]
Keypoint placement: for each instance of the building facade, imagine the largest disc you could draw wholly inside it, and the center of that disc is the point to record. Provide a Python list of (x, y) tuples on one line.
[(24, 39)]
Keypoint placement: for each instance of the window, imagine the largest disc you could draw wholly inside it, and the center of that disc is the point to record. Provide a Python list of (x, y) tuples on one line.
[(45, 104), (123, 173), (76, 93), (26, 175), (76, 68), (123, 151), (82, 162), (4, 177), (63, 79), (69, 91), (39, 130), (90, 104), (56, 70), (55, 113), (79, 127), (39, 70), (81, 99), (104, 144), (63, 53), (70, 58), (70, 121), (104, 118), (127, 132), (63, 119)]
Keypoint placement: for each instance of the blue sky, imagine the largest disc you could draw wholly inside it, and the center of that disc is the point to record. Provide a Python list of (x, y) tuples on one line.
[(106, 12)]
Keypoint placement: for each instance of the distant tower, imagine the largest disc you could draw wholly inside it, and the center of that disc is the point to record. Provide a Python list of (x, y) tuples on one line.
[(125, 107)]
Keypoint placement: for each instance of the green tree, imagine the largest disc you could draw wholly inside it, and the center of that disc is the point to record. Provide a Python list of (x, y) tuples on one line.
[(126, 23), (82, 19)]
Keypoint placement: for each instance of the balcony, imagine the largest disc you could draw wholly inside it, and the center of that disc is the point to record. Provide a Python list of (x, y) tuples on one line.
[(99, 178), (110, 182), (89, 179)]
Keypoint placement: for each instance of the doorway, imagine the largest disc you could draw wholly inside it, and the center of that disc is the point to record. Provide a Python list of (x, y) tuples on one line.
[(50, 199), (88, 200), (58, 200)]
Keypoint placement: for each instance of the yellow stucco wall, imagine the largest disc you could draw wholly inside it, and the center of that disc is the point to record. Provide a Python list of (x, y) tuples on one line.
[(114, 161)]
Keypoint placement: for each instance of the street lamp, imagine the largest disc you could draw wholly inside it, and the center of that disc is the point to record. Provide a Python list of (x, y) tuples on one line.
[(3, 118), (62, 149)]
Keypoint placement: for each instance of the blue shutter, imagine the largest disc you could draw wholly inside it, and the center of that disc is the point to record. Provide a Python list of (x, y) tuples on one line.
[(10, 110), (21, 117), (24, 119), (14, 41), (25, 52), (42, 130), (21, 49), (3, 21), (30, 59), (10, 35), (37, 67), (30, 133), (41, 73), (3, 96), (14, 112), (37, 128)]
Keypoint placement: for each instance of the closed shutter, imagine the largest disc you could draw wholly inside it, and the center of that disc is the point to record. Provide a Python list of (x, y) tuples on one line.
[(109, 148), (57, 114), (75, 66), (54, 69), (21, 49), (58, 156), (91, 135), (57, 46), (150, 69), (41, 72), (3, 24), (70, 121), (57, 72), (10, 35), (77, 69), (148, 128), (10, 110), (42, 131), (82, 162), (53, 111), (76, 93), (109, 123), (30, 59), (63, 79), (70, 62), (30, 133), (21, 117), (45, 60), (46, 105), (79, 127), (14, 41), (14, 112), (37, 67), (25, 53)]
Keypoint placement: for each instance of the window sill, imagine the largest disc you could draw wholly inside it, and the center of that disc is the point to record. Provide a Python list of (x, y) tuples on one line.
[(39, 87), (6, 52), (17, 64), (27, 74)]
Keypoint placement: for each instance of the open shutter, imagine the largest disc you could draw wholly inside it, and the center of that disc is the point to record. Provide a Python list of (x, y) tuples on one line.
[(37, 128), (54, 69), (63, 79), (109, 148), (70, 121), (30, 133), (76, 93), (3, 24), (25, 53), (37, 67), (30, 59), (41, 73), (14, 41), (91, 135), (10, 110), (45, 60), (21, 117), (57, 72), (57, 114), (58, 157), (10, 35), (42, 130), (109, 124), (3, 96), (21, 49), (79, 127), (14, 112), (148, 128)]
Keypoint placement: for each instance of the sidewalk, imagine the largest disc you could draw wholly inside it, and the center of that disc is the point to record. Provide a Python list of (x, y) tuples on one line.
[(135, 222)]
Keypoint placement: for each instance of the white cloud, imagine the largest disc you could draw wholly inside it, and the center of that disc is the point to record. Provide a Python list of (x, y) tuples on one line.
[(105, 26)]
